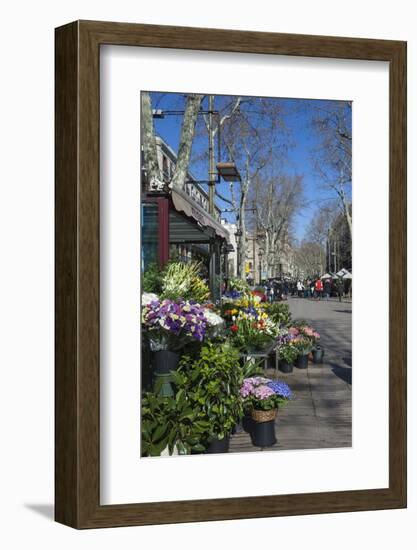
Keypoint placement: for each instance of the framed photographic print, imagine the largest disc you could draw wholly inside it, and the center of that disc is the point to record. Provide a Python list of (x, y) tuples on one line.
[(230, 274)]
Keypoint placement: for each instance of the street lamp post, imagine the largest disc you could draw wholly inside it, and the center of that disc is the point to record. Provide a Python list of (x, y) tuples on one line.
[(261, 251)]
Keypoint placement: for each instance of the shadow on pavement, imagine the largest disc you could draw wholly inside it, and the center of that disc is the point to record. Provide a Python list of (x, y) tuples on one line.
[(344, 373)]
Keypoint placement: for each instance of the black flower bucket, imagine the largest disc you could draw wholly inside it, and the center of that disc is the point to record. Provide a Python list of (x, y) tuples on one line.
[(285, 367), (318, 355), (218, 446), (165, 361), (302, 362)]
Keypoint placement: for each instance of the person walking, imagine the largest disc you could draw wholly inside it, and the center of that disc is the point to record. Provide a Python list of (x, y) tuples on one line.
[(327, 289), (319, 288), (300, 289), (339, 289)]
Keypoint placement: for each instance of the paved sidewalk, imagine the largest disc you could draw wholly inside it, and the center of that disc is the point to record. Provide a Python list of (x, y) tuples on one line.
[(320, 415)]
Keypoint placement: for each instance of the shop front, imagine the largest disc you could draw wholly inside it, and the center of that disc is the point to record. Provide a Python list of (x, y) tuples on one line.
[(174, 226)]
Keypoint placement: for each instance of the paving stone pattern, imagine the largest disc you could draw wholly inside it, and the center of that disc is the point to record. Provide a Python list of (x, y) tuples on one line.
[(320, 416)]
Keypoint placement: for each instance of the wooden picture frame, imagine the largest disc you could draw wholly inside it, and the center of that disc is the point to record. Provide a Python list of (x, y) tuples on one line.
[(77, 372)]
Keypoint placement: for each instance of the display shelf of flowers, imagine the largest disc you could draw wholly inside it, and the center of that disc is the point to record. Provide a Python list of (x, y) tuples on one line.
[(297, 344), (194, 400)]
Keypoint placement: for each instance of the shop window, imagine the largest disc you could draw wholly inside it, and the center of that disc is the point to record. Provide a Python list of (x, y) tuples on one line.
[(149, 232)]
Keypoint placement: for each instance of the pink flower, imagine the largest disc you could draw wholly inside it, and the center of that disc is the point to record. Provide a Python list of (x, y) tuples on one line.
[(263, 392)]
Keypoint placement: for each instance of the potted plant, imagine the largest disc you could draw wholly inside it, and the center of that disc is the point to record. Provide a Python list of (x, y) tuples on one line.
[(302, 343), (279, 313), (262, 397), (303, 346), (182, 281), (287, 357), (170, 425), (318, 351), (313, 336), (211, 382), (252, 330)]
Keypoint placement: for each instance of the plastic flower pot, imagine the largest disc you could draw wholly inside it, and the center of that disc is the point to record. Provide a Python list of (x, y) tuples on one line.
[(247, 423), (164, 384), (302, 362), (218, 445), (284, 366), (263, 428), (164, 361), (318, 355)]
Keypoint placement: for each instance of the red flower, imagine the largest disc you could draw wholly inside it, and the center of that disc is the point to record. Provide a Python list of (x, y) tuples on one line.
[(234, 328)]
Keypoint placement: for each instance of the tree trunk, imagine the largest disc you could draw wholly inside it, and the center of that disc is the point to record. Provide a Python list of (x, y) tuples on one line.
[(150, 153), (186, 140), (348, 218), (242, 241)]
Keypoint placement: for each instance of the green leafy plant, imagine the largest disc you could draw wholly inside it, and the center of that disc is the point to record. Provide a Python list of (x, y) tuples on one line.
[(181, 280), (170, 422), (302, 345), (251, 367), (152, 279), (238, 285), (279, 313), (288, 353), (176, 280), (212, 382)]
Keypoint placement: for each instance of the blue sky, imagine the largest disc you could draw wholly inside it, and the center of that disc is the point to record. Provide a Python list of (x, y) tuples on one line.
[(299, 135)]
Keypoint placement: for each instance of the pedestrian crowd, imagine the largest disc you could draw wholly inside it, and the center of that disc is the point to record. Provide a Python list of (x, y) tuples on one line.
[(277, 289)]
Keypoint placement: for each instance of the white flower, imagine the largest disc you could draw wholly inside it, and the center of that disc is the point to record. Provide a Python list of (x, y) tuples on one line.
[(212, 318), (148, 297)]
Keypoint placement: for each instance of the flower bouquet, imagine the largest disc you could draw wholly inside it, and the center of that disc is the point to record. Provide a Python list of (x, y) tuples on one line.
[(310, 333), (171, 324)]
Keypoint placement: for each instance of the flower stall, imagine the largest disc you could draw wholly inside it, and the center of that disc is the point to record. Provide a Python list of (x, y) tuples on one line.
[(201, 357)]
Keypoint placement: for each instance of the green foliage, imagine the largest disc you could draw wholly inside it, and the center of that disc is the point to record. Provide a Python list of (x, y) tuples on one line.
[(152, 279), (289, 353), (183, 281), (279, 313), (272, 402), (299, 323), (251, 367), (176, 280), (171, 422), (212, 383), (249, 339), (239, 285), (303, 345)]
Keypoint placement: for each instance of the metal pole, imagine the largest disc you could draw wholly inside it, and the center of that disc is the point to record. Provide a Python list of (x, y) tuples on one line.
[(211, 155), (255, 236)]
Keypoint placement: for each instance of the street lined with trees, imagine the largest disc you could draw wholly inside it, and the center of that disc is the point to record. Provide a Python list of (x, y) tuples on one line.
[(246, 257)]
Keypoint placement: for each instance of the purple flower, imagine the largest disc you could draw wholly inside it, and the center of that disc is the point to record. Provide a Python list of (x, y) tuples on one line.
[(281, 389)]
